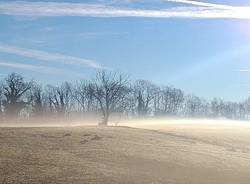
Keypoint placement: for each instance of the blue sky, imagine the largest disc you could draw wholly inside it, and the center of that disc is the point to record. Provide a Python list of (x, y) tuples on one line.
[(202, 48)]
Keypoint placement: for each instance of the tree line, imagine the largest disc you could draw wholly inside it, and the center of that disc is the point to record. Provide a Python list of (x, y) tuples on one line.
[(108, 93)]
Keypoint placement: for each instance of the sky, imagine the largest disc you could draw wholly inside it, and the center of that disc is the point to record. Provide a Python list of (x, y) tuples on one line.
[(201, 47)]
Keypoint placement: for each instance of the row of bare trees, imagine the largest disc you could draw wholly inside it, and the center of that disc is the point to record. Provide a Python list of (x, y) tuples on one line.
[(108, 93)]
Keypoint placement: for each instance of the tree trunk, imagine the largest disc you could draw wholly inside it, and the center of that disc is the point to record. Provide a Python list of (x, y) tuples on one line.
[(104, 121)]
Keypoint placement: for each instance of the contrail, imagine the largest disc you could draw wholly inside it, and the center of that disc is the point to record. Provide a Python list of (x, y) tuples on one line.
[(198, 10), (244, 70), (48, 56), (38, 68), (197, 3)]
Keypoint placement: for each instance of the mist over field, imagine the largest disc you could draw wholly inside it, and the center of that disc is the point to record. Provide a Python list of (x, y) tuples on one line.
[(124, 92), (112, 130), (106, 131), (151, 150)]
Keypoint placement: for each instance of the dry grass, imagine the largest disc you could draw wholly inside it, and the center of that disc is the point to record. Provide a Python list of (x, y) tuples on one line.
[(174, 154)]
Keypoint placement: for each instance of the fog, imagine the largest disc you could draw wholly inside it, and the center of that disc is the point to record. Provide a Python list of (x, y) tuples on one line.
[(145, 123), (163, 122)]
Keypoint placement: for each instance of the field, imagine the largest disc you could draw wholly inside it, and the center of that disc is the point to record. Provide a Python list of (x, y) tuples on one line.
[(148, 151)]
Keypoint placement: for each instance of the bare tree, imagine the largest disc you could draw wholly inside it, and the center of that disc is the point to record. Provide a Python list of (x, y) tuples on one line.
[(172, 99), (110, 90), (192, 106), (242, 111), (37, 100), (144, 92), (15, 89), (59, 98), (83, 95), (109, 93), (216, 106), (130, 101), (246, 106), (231, 110), (157, 101), (49, 95)]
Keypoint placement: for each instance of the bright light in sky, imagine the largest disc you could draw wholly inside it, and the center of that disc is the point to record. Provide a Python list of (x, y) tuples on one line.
[(201, 47)]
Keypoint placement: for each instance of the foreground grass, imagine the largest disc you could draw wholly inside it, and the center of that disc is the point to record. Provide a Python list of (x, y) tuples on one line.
[(119, 155)]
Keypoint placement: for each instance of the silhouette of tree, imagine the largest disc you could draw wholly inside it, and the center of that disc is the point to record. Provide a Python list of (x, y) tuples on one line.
[(109, 93), (59, 98), (83, 95), (37, 100), (144, 92), (110, 90), (14, 91)]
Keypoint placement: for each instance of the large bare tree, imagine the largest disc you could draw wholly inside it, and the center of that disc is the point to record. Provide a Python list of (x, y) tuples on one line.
[(110, 90), (14, 91)]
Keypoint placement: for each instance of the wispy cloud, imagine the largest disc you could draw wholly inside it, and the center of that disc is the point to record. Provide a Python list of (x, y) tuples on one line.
[(20, 66), (48, 29), (244, 70), (99, 34), (197, 3), (48, 56), (39, 69), (196, 10)]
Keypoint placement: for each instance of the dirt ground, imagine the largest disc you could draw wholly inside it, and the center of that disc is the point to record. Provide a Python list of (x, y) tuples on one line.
[(171, 152)]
